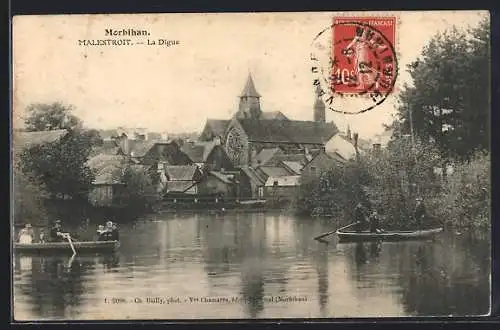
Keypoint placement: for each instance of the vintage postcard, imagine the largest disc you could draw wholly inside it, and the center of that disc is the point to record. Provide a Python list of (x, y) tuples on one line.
[(251, 165)]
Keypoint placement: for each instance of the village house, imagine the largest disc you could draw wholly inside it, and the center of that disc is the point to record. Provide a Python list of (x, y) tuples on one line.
[(320, 164), (282, 189), (108, 184), (218, 184), (272, 171), (209, 156), (251, 184), (183, 179), (23, 140), (341, 147)]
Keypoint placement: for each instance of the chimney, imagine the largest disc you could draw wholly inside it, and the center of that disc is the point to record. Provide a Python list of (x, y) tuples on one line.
[(217, 140)]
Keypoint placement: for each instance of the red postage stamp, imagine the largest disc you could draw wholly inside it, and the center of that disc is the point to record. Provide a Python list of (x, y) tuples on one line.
[(363, 55)]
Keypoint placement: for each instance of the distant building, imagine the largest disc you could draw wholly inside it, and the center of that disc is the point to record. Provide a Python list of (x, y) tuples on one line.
[(209, 156), (251, 130), (108, 184), (22, 140), (320, 164), (251, 183), (341, 147), (220, 184), (282, 189), (150, 152), (183, 179)]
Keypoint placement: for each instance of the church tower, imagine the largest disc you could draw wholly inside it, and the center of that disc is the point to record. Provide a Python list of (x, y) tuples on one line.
[(249, 101), (319, 107)]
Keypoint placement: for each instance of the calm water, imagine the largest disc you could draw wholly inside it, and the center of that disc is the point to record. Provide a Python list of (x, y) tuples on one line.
[(253, 266)]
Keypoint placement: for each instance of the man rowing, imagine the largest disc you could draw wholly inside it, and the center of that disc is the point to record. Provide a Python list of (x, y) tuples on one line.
[(360, 218), (56, 234), (374, 221)]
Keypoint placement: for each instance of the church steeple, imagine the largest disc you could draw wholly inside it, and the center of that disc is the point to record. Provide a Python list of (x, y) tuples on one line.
[(249, 101), (319, 107)]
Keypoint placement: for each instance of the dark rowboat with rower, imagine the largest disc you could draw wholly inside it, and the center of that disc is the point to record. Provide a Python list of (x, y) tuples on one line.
[(349, 235), (367, 236)]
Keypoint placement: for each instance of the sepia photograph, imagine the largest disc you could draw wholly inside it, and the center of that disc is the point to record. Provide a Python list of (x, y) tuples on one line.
[(250, 165)]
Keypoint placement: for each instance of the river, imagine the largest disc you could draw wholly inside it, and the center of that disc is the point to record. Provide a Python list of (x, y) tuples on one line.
[(253, 265)]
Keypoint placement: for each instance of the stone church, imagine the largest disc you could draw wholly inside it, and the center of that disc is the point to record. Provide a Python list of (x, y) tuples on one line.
[(251, 130)]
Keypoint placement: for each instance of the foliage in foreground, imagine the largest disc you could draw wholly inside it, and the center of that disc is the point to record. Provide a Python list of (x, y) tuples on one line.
[(29, 195), (466, 201), (390, 182)]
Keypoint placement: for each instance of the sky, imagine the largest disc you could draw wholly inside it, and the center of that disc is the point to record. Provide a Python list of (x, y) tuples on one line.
[(175, 89)]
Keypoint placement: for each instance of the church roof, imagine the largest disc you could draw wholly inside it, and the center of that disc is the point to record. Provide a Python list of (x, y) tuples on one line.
[(288, 131), (249, 89), (277, 115)]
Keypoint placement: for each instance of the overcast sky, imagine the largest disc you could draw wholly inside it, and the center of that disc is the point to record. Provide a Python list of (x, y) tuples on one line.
[(175, 89)]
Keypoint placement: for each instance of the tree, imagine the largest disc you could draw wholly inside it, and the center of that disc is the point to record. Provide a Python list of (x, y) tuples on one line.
[(336, 191), (466, 200), (399, 173), (61, 165), (29, 197), (449, 100), (46, 117), (140, 191)]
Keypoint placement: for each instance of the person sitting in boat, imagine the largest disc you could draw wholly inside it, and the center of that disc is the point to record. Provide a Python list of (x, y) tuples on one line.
[(374, 222), (56, 234), (360, 217), (41, 237), (114, 235), (108, 231), (26, 235), (420, 211), (100, 233)]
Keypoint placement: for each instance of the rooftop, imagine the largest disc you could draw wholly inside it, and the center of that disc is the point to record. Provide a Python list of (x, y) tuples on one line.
[(288, 131)]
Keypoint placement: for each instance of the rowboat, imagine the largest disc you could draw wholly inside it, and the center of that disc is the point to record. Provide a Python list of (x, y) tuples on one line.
[(365, 236), (65, 247)]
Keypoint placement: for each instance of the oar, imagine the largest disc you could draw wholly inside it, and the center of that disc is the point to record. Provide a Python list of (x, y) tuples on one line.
[(334, 231), (70, 242)]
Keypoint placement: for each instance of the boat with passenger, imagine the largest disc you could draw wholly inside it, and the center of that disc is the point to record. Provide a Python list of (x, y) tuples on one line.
[(107, 241)]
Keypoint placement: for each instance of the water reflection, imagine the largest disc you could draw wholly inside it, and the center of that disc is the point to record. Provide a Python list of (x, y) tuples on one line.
[(442, 277), (55, 285), (322, 269), (254, 257)]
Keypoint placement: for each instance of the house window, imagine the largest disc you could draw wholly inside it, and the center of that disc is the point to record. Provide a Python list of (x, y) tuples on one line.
[(275, 183), (313, 169), (261, 192)]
